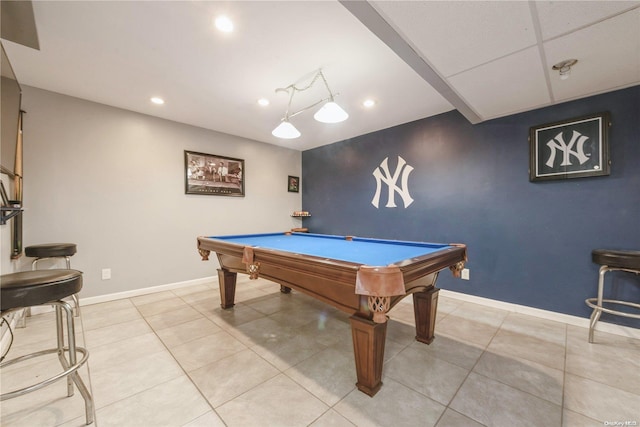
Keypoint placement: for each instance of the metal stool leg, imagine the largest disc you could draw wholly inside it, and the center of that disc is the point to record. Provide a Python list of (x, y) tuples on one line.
[(597, 311), (22, 320), (76, 300), (598, 303), (76, 305), (70, 366), (75, 377), (75, 297), (61, 349)]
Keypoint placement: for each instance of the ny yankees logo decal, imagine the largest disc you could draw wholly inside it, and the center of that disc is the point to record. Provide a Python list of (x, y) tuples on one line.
[(382, 175)]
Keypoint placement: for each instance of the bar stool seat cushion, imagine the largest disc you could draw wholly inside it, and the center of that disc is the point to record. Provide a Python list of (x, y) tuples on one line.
[(50, 250), (30, 288), (617, 259)]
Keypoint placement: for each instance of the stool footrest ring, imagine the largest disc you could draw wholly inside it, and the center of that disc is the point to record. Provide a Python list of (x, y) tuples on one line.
[(51, 380), (593, 303)]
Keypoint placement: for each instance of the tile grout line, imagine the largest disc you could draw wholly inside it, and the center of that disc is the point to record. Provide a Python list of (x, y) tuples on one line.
[(186, 373), (179, 364), (484, 350)]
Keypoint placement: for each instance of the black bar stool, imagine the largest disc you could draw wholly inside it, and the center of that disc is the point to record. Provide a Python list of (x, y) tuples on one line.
[(612, 260), (54, 251), (48, 287), (51, 250)]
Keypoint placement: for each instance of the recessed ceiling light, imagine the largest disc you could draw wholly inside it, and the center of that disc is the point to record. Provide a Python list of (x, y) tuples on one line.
[(263, 102), (224, 24), (156, 100), (368, 103)]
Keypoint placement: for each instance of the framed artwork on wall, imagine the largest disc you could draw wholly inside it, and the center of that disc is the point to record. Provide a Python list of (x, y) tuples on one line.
[(293, 184), (213, 175), (573, 148)]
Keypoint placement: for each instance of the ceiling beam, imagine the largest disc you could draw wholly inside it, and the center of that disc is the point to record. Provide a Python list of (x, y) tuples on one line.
[(18, 23), (371, 18)]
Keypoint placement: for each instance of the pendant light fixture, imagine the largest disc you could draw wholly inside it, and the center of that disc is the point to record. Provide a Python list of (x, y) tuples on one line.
[(286, 130), (330, 112)]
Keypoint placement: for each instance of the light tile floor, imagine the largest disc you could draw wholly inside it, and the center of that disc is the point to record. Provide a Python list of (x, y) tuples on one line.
[(175, 358)]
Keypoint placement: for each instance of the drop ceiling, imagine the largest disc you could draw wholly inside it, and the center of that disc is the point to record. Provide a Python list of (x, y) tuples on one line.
[(416, 59)]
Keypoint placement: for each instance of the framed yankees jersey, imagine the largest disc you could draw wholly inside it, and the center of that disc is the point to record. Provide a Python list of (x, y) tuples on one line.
[(573, 148)]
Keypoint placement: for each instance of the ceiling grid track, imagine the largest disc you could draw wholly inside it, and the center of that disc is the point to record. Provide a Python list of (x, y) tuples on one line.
[(371, 18), (540, 44)]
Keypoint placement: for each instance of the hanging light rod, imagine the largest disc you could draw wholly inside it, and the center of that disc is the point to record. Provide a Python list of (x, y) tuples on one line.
[(330, 112)]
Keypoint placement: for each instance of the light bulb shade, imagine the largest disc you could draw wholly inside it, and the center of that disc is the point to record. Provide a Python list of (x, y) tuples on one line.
[(331, 113), (286, 130)]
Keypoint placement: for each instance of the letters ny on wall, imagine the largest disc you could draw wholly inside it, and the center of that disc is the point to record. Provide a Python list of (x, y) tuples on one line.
[(384, 176), (574, 148)]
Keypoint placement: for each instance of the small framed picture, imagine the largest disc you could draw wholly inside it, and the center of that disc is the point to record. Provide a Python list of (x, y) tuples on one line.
[(213, 175), (573, 148), (293, 184)]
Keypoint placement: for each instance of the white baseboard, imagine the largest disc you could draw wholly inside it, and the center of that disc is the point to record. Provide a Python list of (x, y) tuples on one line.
[(130, 294), (145, 291), (582, 322), (611, 328)]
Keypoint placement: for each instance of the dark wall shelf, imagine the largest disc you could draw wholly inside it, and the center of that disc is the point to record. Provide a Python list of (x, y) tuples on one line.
[(8, 213)]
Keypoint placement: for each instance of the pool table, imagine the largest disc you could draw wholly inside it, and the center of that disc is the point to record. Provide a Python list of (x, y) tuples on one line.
[(360, 276)]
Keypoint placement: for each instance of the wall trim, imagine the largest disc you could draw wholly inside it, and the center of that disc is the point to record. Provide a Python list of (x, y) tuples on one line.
[(144, 291), (582, 322), (130, 294), (611, 328)]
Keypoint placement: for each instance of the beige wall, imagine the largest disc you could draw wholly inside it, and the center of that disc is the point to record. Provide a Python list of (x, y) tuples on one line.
[(112, 181)]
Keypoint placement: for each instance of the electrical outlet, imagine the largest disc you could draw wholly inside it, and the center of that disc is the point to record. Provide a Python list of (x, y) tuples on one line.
[(465, 274), (106, 273)]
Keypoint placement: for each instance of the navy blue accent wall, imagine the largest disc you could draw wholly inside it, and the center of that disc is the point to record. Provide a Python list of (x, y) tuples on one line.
[(528, 243)]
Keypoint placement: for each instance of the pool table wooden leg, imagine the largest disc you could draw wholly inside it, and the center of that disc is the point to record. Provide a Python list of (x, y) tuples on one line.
[(425, 306), (227, 283), (368, 348)]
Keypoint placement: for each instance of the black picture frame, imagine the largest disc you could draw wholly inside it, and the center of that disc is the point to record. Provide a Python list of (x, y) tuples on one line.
[(213, 175), (574, 148), (293, 184)]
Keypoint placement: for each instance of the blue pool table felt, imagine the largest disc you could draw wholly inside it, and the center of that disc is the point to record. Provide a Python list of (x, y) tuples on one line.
[(374, 252)]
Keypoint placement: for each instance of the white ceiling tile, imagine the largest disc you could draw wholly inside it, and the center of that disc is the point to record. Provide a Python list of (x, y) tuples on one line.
[(508, 85), (122, 53), (561, 17), (608, 57), (455, 36)]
